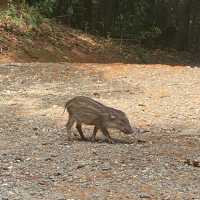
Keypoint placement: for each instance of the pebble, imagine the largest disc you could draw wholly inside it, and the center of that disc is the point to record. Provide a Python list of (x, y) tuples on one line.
[(144, 196), (106, 166)]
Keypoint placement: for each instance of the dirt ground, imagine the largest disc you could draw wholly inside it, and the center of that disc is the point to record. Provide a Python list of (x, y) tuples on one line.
[(38, 163)]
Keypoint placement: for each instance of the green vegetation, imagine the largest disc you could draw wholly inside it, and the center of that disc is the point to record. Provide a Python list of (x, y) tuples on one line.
[(156, 23), (23, 19)]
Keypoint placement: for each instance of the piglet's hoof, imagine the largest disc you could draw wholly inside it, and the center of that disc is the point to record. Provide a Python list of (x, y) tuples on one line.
[(111, 141)]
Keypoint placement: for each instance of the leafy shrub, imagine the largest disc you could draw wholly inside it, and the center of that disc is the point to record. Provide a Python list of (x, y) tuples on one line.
[(20, 19), (46, 7)]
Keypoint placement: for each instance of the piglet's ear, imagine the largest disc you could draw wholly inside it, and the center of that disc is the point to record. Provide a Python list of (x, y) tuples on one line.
[(112, 116)]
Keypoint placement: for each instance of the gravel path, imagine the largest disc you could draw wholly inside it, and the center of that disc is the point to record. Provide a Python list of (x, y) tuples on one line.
[(38, 163)]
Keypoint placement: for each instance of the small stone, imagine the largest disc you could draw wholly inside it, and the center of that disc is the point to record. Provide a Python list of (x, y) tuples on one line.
[(48, 159), (141, 104), (81, 165), (52, 178), (196, 163), (18, 159), (34, 137), (141, 141), (43, 183), (145, 196), (5, 168), (10, 167), (106, 166), (58, 174), (96, 94), (94, 152), (27, 159)]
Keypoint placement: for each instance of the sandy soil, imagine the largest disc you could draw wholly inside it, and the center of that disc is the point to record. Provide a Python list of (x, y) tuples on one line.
[(38, 163)]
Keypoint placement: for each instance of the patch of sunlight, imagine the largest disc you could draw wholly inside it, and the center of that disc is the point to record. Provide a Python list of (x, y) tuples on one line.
[(34, 107), (45, 89), (87, 39), (54, 113), (22, 102), (9, 57)]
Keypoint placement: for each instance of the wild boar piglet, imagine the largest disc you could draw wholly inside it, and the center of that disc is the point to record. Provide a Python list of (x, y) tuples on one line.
[(84, 110)]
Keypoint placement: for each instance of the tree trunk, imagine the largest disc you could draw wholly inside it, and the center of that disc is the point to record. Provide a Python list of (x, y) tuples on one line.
[(194, 34), (108, 15), (88, 13), (184, 25)]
